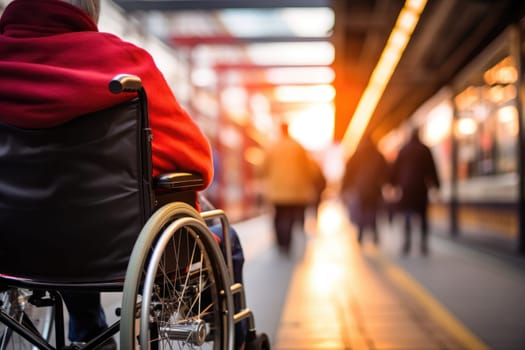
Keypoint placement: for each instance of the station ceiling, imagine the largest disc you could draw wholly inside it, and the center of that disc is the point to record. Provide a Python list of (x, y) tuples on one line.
[(449, 34)]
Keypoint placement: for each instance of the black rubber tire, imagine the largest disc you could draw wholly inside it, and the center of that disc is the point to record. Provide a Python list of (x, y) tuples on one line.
[(260, 342)]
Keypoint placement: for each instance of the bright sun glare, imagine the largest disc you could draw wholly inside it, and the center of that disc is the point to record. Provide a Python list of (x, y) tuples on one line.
[(313, 127)]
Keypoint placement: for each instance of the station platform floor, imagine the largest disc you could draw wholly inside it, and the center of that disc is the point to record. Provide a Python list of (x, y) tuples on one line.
[(332, 293)]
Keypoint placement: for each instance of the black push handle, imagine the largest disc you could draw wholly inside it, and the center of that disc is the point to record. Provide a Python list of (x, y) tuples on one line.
[(126, 83)]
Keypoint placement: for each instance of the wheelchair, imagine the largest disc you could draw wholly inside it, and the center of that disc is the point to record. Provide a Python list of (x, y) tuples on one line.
[(80, 211)]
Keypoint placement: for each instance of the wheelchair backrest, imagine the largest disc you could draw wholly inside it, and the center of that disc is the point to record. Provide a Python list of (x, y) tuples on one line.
[(73, 198)]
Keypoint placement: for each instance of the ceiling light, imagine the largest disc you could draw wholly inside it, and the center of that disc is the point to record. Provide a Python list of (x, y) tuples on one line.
[(396, 44)]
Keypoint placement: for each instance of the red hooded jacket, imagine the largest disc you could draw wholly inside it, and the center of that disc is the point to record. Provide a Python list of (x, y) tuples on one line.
[(55, 65)]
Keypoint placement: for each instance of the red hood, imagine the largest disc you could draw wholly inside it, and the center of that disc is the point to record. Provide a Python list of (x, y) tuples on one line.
[(40, 88)]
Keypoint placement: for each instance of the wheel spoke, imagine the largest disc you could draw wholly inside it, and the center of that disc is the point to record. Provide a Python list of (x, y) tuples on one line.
[(16, 303)]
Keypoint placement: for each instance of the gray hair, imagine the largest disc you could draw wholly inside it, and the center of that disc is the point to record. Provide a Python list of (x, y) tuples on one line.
[(91, 7)]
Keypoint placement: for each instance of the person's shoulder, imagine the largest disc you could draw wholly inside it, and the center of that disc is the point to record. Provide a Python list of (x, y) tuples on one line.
[(296, 144), (285, 142), (405, 148), (424, 146), (270, 148), (122, 44)]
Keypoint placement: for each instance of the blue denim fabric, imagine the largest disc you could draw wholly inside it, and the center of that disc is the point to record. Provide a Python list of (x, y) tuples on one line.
[(86, 316)]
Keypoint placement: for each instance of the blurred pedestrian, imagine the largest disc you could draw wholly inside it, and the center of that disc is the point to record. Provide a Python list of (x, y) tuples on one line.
[(365, 174), (291, 176), (414, 172)]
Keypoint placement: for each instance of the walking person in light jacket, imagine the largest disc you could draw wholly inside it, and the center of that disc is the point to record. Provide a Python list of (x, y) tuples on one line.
[(291, 177)]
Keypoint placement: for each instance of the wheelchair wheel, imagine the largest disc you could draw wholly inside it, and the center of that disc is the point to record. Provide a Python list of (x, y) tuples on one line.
[(16, 302), (177, 271), (260, 342)]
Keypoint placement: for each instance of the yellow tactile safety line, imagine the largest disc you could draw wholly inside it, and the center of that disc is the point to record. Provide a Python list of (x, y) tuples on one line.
[(439, 312)]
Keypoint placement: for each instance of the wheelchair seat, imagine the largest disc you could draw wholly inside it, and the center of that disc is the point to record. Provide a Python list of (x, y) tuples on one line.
[(82, 197)]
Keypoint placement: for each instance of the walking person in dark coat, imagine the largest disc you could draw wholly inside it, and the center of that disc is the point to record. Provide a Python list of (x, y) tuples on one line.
[(414, 172), (365, 174)]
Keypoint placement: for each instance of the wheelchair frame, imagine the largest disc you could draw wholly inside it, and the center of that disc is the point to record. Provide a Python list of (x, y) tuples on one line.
[(150, 260)]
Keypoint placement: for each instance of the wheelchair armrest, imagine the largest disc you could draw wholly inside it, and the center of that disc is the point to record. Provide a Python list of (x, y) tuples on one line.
[(178, 181)]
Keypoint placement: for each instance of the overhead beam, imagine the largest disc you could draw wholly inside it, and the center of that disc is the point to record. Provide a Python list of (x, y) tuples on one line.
[(230, 40), (178, 5), (265, 86), (253, 66)]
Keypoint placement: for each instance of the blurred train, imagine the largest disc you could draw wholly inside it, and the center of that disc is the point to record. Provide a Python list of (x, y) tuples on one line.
[(475, 129)]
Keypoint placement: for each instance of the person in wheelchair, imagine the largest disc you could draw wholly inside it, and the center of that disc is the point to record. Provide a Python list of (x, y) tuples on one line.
[(58, 41)]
